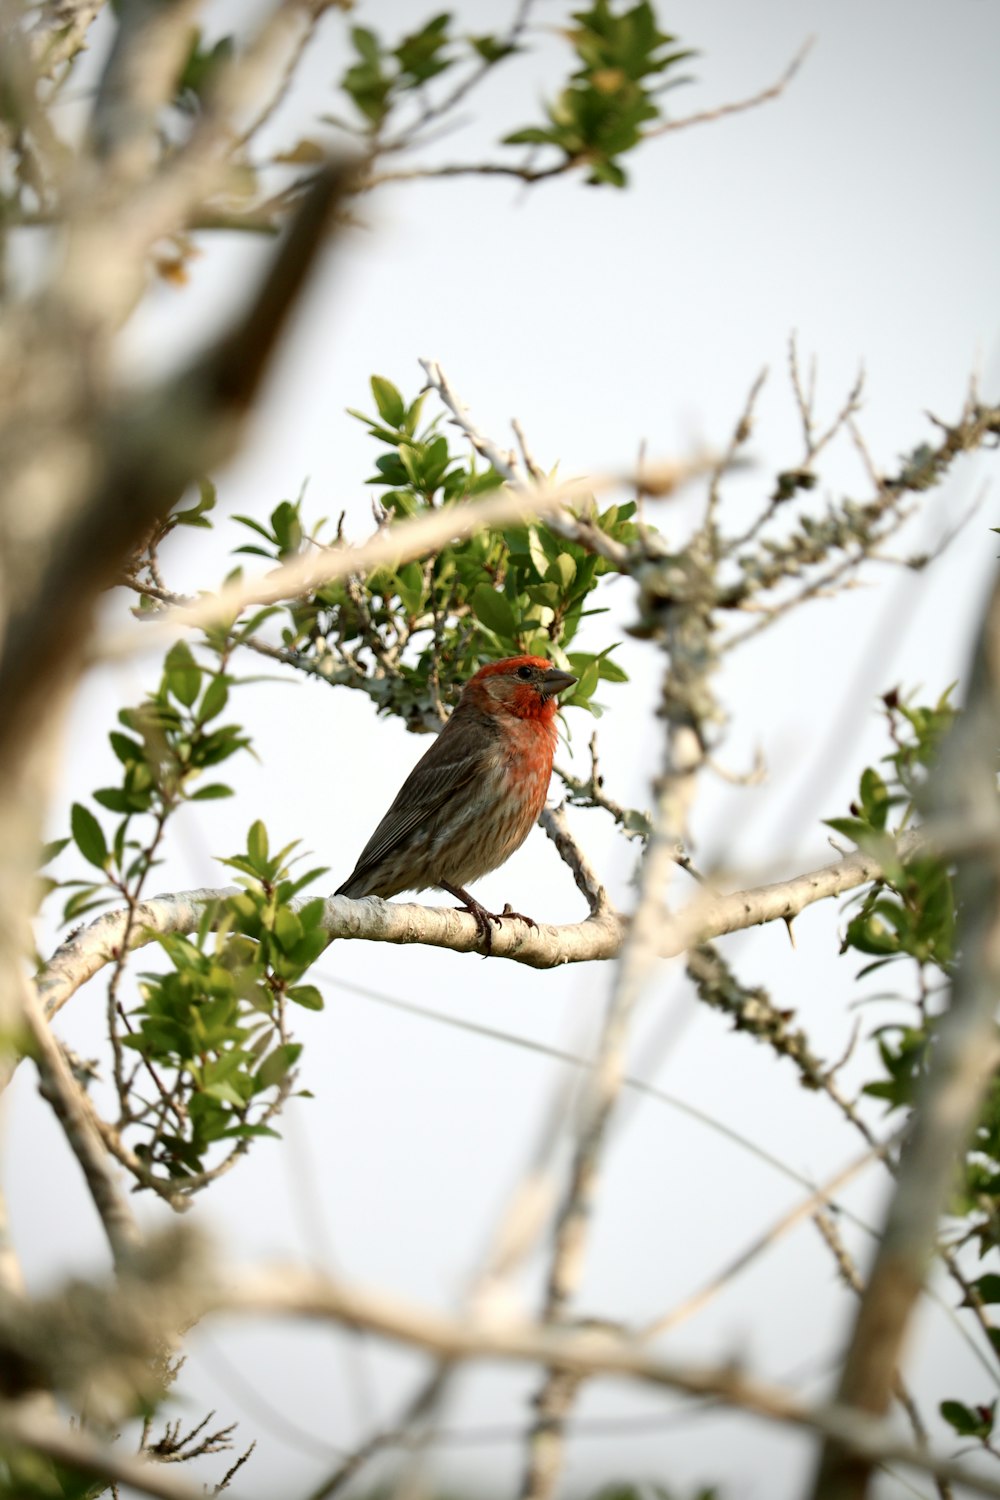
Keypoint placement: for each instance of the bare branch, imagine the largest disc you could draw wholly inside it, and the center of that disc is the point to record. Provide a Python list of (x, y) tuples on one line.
[(804, 1209), (711, 915), (524, 174), (556, 825), (63, 1092)]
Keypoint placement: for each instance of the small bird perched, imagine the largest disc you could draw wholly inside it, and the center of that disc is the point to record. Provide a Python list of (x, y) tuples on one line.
[(473, 798)]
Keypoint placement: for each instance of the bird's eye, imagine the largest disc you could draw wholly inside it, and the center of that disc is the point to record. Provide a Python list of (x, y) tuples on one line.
[(525, 673)]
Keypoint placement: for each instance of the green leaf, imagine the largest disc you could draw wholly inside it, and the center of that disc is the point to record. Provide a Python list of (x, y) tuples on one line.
[(537, 552), (391, 407), (494, 610), (874, 798), (493, 51), (254, 526), (530, 136), (287, 928), (257, 846), (212, 793), (607, 172), (215, 698), (287, 526), (976, 1423), (225, 1092), (410, 586), (277, 1064), (50, 850), (855, 829), (307, 995), (88, 836), (83, 901), (195, 514), (127, 750), (240, 1132), (562, 571), (610, 671), (585, 687), (307, 950), (182, 673), (113, 798), (311, 914), (366, 43)]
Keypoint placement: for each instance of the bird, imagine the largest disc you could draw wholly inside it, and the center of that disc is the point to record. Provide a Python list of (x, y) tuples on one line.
[(473, 798)]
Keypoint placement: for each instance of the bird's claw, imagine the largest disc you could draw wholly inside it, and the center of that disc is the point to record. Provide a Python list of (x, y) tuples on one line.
[(518, 916), (484, 918)]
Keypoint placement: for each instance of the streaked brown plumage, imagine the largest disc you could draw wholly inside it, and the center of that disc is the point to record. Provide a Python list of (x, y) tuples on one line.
[(473, 798)]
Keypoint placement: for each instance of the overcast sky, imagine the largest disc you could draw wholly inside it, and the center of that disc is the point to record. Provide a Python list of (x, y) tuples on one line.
[(860, 211)]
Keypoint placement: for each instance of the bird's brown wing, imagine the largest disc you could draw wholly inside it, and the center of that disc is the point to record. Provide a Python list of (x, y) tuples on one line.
[(454, 760)]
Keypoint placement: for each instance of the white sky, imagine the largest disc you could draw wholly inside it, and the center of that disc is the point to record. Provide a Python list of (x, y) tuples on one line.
[(860, 210)]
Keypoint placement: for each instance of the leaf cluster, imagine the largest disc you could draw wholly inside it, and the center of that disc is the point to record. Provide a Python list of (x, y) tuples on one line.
[(623, 63), (164, 747), (911, 915), (601, 113), (383, 76), (967, 1421), (214, 1023), (410, 635), (911, 912)]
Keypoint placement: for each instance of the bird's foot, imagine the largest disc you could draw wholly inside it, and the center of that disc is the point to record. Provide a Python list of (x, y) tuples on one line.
[(518, 916), (484, 918)]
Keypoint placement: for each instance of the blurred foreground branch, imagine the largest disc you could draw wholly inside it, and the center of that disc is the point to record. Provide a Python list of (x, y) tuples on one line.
[(289, 1292), (962, 1059)]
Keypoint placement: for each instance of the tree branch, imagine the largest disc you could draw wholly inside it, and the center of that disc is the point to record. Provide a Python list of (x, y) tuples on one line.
[(288, 1292), (709, 916), (63, 1092), (556, 825), (962, 1060)]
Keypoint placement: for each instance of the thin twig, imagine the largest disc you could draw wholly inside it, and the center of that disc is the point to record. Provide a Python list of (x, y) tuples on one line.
[(70, 1105), (708, 116), (804, 1209)]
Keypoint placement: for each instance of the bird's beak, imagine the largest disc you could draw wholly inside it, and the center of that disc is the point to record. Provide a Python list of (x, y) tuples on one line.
[(554, 681)]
